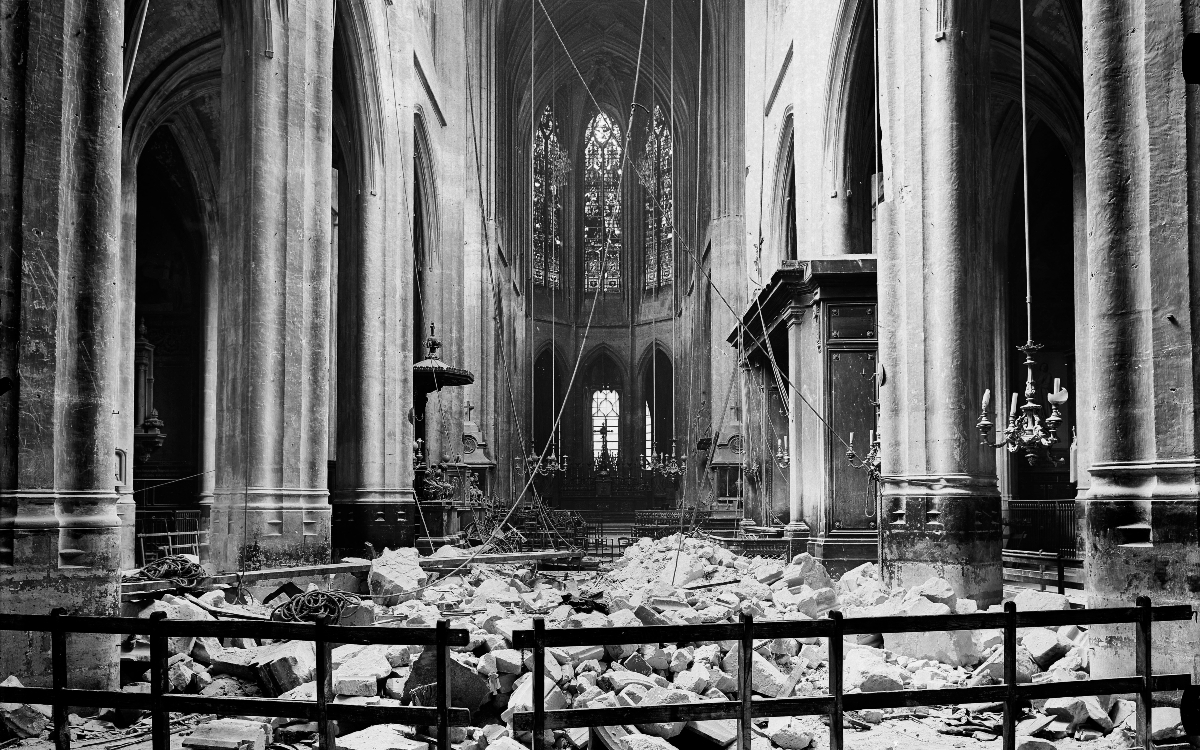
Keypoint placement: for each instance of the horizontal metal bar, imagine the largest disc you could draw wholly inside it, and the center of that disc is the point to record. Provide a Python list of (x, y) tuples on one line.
[(419, 715), (769, 629), (921, 623), (232, 706), (644, 634), (296, 631), (808, 706), (1107, 616), (943, 696), (603, 717)]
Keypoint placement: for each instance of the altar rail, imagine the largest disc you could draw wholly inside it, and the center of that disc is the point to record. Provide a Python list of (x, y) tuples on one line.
[(834, 627)]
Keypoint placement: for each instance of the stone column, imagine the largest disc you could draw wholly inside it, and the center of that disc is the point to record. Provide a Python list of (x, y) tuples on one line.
[(723, 113), (270, 504), (126, 336), (797, 528), (60, 188), (374, 497), (1143, 285), (941, 504)]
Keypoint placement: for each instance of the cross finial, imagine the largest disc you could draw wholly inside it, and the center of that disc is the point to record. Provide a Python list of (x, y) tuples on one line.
[(469, 408)]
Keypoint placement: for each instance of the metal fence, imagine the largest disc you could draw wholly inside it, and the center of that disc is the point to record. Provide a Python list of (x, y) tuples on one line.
[(443, 716), (160, 704), (834, 627), (1044, 526)]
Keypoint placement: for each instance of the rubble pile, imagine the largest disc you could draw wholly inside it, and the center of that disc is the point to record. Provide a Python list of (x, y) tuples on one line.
[(665, 582)]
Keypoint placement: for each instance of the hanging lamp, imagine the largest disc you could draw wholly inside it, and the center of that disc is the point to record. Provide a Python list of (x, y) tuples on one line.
[(1026, 432)]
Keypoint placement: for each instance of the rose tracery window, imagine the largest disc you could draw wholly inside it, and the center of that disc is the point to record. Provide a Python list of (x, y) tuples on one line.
[(549, 176), (654, 172), (602, 205)]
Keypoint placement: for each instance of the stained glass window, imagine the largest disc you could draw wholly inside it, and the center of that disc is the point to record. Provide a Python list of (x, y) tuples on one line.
[(602, 204), (606, 407), (549, 178), (654, 172), (649, 432)]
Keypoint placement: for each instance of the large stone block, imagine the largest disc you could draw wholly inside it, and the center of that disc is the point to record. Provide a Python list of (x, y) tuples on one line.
[(396, 575)]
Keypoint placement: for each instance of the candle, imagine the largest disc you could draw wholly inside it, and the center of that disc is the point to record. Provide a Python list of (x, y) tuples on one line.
[(871, 441), (852, 441), (987, 398), (1057, 382), (1013, 410)]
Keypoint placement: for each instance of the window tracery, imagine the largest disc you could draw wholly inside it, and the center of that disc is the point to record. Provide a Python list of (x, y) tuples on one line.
[(549, 178), (606, 408), (602, 205), (654, 172)]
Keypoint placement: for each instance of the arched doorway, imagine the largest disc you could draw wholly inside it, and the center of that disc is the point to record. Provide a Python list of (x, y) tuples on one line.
[(169, 317), (1035, 485)]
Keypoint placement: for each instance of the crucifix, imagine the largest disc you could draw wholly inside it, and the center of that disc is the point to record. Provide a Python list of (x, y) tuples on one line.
[(469, 407)]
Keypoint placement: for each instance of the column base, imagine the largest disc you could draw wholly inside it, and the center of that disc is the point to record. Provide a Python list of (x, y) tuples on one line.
[(383, 518), (1142, 547), (796, 530), (73, 567), (265, 527), (840, 551), (944, 527)]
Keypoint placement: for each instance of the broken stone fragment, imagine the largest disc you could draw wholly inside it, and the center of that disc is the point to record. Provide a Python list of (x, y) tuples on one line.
[(468, 689), (228, 686), (645, 742), (766, 679), (224, 734), (664, 697), (786, 734), (1030, 600), (1165, 723), (381, 737), (23, 719), (868, 670), (395, 576), (936, 590), (355, 685), (1046, 646)]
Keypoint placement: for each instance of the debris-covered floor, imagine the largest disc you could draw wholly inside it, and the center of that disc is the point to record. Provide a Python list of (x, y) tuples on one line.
[(667, 581)]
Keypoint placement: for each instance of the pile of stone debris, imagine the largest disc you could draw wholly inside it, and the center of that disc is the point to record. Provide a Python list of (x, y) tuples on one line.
[(669, 581)]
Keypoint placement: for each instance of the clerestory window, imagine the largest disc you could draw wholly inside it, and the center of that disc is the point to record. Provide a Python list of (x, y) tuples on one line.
[(602, 205), (549, 179), (654, 172)]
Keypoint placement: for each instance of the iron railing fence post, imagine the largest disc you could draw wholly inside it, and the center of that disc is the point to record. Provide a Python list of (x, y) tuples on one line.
[(58, 662), (443, 685), (538, 679), (160, 719), (324, 686), (836, 667), (1010, 676), (1145, 669), (745, 679)]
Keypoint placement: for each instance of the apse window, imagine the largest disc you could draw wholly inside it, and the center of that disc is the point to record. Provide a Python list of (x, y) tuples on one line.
[(549, 180), (654, 172), (606, 407), (602, 205)]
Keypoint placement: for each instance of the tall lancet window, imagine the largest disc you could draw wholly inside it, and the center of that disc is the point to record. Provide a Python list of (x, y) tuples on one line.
[(549, 178), (654, 172), (602, 205)]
